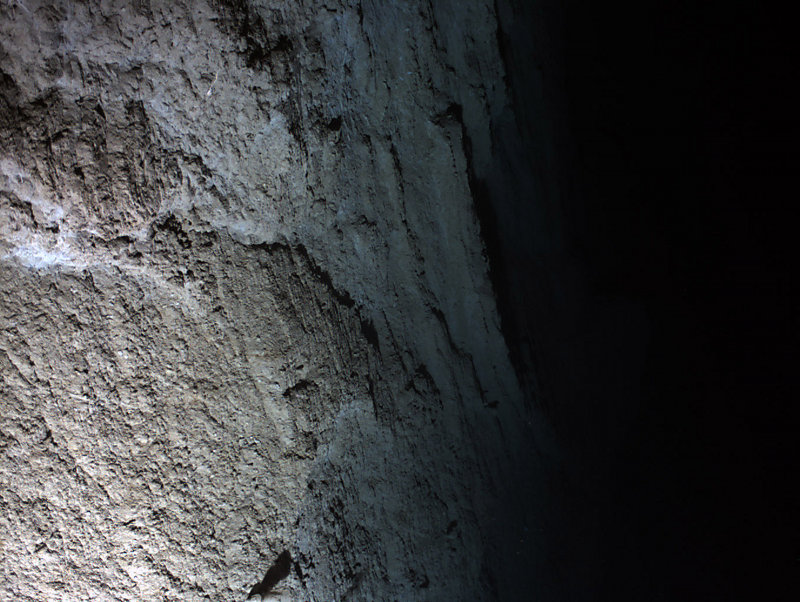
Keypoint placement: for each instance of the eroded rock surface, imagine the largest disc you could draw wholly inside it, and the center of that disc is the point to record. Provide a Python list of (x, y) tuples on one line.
[(245, 306)]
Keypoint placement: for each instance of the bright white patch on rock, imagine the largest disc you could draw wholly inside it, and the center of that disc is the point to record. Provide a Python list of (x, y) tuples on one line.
[(39, 257)]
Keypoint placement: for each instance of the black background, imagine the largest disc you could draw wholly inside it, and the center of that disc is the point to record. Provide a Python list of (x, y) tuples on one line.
[(685, 123), (681, 137)]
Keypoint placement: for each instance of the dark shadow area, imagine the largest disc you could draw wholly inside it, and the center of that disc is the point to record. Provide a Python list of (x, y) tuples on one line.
[(656, 322), (279, 570)]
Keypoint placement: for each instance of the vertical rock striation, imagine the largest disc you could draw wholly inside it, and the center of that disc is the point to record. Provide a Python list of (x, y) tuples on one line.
[(245, 305)]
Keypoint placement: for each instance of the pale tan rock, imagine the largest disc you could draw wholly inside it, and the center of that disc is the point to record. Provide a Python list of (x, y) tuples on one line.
[(244, 304)]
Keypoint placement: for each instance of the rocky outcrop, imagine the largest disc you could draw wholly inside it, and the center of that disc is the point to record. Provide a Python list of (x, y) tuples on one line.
[(246, 306)]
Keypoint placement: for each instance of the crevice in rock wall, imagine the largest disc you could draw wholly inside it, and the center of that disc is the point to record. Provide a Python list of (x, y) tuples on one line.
[(491, 238)]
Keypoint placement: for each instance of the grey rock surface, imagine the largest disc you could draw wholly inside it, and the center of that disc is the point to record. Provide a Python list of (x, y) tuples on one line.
[(244, 302)]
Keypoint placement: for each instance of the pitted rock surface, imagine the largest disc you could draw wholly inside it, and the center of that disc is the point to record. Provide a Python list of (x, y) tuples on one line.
[(245, 305)]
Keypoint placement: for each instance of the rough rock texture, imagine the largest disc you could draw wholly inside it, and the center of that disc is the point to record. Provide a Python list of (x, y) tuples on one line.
[(245, 305)]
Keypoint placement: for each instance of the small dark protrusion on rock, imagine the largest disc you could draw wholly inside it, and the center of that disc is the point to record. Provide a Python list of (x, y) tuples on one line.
[(277, 572)]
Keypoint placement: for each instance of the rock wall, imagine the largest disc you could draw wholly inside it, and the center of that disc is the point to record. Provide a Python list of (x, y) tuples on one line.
[(246, 306)]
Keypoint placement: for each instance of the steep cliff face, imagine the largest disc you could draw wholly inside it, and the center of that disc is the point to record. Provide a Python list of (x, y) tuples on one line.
[(245, 304)]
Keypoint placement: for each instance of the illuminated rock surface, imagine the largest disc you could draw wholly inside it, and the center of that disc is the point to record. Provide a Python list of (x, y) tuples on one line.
[(245, 305), (446, 300)]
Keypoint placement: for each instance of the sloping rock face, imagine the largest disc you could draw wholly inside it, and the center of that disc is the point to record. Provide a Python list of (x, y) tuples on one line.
[(245, 305)]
